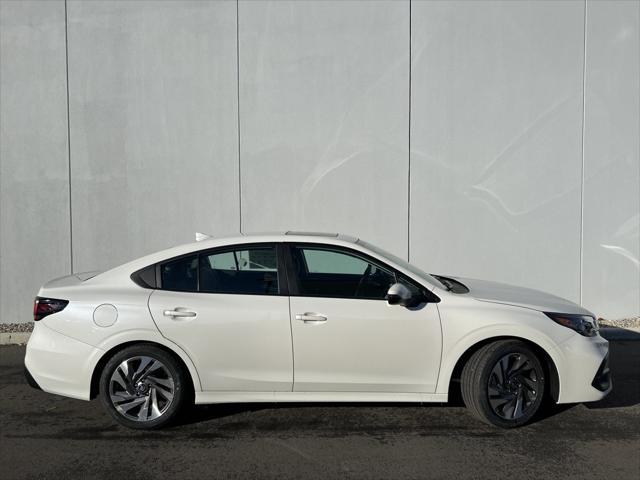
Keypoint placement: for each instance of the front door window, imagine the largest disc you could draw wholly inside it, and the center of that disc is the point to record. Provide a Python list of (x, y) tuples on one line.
[(327, 272)]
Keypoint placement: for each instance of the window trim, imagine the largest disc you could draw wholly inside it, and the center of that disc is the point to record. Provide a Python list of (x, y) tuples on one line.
[(283, 287), (138, 277), (294, 287), (287, 278)]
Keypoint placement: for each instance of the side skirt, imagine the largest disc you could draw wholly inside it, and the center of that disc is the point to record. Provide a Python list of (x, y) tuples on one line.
[(276, 397)]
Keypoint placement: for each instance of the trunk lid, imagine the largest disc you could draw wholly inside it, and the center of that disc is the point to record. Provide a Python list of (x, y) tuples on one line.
[(70, 280)]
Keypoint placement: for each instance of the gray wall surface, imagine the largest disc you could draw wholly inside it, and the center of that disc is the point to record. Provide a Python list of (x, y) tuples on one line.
[(488, 139)]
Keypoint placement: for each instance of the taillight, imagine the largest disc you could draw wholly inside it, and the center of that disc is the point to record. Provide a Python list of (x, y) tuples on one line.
[(46, 306)]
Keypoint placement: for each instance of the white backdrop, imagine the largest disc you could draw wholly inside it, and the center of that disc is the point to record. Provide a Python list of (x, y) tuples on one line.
[(487, 139)]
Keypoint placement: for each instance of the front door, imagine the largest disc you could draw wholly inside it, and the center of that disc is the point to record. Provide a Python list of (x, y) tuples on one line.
[(226, 309), (346, 337)]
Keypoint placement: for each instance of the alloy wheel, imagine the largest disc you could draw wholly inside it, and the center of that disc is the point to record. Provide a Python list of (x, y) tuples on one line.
[(513, 386), (141, 388)]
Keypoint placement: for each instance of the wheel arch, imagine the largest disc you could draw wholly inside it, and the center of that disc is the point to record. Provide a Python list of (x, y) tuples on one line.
[(551, 370), (99, 367)]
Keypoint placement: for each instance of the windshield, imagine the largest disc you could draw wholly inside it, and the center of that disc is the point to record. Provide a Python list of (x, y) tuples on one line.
[(400, 262)]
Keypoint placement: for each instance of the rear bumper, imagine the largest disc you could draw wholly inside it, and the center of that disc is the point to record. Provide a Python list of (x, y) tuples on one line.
[(59, 364), (586, 376)]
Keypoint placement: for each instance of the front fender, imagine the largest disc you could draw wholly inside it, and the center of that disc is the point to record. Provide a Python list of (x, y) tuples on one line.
[(465, 325), (450, 361)]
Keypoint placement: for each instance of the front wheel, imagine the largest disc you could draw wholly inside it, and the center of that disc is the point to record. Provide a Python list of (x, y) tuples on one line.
[(503, 383), (143, 387)]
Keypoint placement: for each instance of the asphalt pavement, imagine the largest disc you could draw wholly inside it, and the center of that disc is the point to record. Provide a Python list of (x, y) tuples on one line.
[(47, 436)]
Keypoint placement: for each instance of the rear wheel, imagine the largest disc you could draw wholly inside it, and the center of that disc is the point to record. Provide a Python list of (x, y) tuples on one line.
[(143, 387), (503, 383)]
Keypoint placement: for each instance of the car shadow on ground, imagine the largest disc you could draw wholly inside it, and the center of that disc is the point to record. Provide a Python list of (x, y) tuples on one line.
[(624, 363), (624, 357)]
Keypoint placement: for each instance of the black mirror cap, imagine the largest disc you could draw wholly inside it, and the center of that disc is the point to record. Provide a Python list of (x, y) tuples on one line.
[(393, 299), (426, 297)]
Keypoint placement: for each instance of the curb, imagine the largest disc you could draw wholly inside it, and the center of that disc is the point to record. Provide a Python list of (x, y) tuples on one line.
[(17, 338), (610, 333)]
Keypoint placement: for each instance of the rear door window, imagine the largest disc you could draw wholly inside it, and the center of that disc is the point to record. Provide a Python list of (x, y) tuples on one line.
[(180, 274), (252, 270)]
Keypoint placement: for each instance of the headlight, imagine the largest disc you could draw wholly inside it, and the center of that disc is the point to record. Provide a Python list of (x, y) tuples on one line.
[(585, 325)]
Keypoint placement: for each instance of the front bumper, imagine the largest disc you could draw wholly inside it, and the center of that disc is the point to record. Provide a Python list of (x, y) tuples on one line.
[(585, 375), (59, 364), (602, 380), (30, 380)]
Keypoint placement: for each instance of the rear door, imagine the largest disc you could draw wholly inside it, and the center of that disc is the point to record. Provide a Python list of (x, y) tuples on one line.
[(346, 337), (228, 309)]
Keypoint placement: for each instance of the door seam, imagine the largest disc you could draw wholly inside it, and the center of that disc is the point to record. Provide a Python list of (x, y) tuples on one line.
[(293, 356), (169, 340)]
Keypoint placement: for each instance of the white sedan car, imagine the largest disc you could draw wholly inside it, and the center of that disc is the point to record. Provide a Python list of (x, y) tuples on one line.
[(304, 317)]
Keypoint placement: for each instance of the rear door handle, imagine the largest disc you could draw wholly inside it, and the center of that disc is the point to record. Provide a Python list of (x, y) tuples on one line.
[(309, 317), (179, 312)]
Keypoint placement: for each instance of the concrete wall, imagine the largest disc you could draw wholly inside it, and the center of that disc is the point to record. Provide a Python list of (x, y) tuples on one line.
[(486, 139), (35, 234)]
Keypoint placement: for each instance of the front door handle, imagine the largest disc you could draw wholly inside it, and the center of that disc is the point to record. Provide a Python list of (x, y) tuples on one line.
[(309, 317), (179, 312)]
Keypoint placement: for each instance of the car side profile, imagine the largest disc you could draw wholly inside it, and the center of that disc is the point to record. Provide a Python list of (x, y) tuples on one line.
[(304, 317)]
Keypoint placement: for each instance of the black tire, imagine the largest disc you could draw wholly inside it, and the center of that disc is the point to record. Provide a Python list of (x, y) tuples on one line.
[(161, 381), (484, 391)]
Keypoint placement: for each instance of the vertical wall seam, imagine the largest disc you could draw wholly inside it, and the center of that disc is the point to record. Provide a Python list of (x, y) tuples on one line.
[(238, 105), (409, 152), (584, 103), (66, 54)]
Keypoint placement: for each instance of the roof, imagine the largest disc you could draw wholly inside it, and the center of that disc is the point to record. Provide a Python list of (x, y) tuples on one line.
[(298, 233), (338, 236), (116, 274), (213, 242)]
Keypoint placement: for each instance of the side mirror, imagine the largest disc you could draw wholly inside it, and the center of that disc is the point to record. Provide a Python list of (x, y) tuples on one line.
[(398, 294)]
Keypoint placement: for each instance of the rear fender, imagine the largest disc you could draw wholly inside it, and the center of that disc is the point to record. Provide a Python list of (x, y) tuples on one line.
[(141, 336)]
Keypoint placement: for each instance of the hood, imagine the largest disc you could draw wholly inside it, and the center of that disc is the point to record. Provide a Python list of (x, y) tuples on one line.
[(487, 291)]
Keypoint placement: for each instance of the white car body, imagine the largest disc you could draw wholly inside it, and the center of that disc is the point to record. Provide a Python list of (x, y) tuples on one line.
[(257, 348)]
